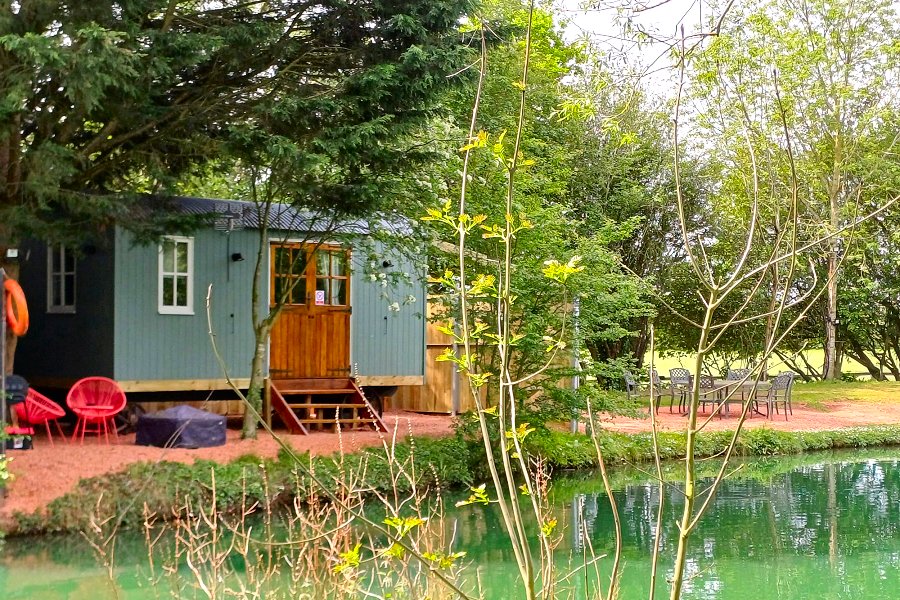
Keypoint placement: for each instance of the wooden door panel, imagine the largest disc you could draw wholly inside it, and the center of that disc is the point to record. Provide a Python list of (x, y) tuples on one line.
[(329, 332), (286, 337), (311, 340)]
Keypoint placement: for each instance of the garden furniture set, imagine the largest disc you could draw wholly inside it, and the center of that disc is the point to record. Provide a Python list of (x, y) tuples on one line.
[(95, 401), (738, 387)]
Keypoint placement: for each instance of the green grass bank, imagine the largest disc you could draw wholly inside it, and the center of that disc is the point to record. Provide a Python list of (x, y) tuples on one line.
[(168, 489)]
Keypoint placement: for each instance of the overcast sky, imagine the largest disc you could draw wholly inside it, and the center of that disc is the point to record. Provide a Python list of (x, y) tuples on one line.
[(604, 26)]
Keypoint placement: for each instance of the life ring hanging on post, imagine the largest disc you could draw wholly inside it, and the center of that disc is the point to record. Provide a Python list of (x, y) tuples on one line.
[(16, 307)]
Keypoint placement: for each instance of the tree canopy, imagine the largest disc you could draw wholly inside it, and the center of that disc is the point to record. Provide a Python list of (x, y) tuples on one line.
[(103, 99)]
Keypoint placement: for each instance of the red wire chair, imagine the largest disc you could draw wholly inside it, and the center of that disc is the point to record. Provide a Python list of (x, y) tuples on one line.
[(96, 401), (38, 409)]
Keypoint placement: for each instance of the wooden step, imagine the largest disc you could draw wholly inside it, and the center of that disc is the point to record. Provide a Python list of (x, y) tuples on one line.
[(309, 392), (327, 405), (291, 413), (342, 421), (287, 416)]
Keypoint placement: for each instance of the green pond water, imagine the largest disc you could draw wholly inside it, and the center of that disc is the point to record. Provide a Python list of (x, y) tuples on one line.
[(810, 527)]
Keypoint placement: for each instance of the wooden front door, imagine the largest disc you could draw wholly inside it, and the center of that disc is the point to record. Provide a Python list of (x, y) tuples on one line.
[(311, 337)]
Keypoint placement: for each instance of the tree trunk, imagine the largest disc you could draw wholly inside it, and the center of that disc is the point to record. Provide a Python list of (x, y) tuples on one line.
[(831, 368), (642, 341), (858, 353), (255, 389), (770, 320)]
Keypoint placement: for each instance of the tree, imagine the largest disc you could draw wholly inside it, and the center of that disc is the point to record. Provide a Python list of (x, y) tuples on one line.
[(546, 190), (103, 100), (834, 64), (868, 308), (623, 175)]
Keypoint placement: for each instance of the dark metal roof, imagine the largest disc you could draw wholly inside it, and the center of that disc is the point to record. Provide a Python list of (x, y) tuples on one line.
[(238, 214)]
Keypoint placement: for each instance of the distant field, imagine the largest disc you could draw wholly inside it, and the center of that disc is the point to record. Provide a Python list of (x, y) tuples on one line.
[(814, 357), (819, 392)]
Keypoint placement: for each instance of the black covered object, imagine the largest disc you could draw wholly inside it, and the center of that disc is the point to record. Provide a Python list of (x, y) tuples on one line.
[(16, 389), (181, 427)]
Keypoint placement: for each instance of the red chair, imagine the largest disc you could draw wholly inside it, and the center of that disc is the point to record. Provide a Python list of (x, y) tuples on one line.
[(96, 401), (38, 409)]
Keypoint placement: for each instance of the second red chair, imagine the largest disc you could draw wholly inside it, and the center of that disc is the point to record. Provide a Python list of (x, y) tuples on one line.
[(38, 409), (96, 401)]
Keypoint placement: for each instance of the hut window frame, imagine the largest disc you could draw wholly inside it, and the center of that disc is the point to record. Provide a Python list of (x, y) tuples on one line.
[(61, 279), (181, 276)]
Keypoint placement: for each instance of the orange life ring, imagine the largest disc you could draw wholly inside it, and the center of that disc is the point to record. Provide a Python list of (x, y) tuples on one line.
[(16, 307)]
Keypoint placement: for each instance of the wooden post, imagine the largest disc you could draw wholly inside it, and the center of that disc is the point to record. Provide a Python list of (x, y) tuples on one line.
[(2, 369), (267, 403)]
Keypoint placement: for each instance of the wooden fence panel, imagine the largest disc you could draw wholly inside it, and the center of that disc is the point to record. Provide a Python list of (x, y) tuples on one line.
[(436, 396)]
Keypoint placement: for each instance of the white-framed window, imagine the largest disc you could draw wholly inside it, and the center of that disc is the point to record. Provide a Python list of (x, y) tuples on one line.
[(60, 279), (176, 276)]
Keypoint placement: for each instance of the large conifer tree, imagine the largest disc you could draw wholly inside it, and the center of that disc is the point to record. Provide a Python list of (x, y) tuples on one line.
[(104, 98)]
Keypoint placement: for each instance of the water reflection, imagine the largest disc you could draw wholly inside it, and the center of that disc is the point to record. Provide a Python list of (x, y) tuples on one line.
[(828, 530), (798, 528)]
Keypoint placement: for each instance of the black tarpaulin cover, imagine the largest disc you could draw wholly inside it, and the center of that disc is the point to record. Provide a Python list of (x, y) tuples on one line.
[(181, 427)]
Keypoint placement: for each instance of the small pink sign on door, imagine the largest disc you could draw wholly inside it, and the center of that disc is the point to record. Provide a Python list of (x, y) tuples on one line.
[(320, 297)]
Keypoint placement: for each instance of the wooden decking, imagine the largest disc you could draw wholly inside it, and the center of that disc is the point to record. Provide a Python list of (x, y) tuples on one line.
[(303, 405)]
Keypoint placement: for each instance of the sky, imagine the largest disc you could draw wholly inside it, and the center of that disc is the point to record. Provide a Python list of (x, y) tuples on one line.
[(604, 27)]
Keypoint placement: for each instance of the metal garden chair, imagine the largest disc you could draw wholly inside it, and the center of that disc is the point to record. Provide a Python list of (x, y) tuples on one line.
[(680, 385), (780, 393), (708, 392), (631, 386)]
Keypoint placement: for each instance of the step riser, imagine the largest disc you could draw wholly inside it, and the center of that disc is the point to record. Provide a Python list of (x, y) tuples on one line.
[(310, 411)]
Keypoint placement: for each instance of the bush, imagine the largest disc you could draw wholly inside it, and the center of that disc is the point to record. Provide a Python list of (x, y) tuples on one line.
[(168, 489), (568, 450)]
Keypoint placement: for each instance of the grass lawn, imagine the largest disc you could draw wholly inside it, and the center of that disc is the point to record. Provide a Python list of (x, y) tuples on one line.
[(815, 357), (817, 393)]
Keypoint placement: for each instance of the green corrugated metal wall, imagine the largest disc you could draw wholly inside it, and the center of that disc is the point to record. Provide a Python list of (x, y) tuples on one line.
[(385, 341), (149, 345)]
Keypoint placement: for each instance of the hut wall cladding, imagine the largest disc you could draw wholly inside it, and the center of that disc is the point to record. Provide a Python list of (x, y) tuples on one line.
[(436, 395), (154, 346), (83, 337), (228, 408), (386, 342)]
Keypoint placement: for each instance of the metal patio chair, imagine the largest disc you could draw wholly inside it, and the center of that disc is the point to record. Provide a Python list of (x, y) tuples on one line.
[(779, 393), (679, 385), (632, 390), (709, 394)]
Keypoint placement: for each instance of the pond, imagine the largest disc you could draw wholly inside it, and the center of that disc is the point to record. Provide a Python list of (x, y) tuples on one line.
[(816, 526)]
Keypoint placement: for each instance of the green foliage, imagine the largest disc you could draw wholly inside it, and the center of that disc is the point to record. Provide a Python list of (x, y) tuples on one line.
[(166, 489), (764, 442), (555, 256), (5, 475), (104, 99), (566, 450), (815, 76)]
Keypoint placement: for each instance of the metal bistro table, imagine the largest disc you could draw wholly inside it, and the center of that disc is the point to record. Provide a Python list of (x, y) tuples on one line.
[(742, 392)]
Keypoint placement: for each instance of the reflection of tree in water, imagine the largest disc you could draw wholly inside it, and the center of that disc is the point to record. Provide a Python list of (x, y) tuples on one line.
[(832, 511)]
